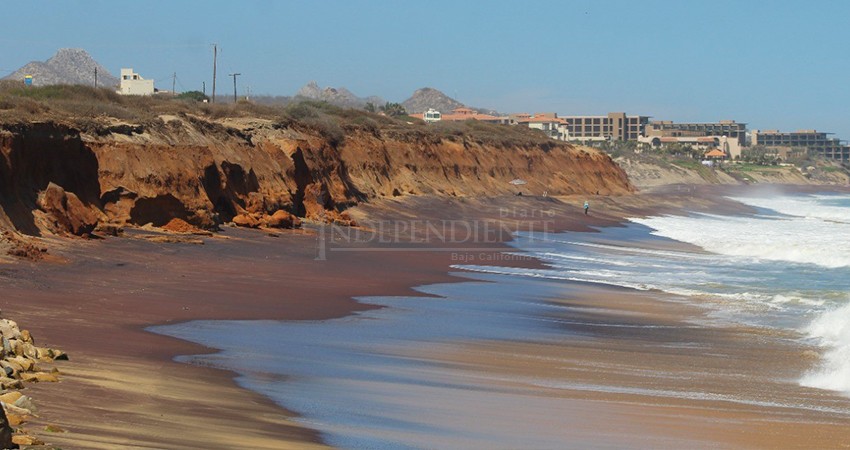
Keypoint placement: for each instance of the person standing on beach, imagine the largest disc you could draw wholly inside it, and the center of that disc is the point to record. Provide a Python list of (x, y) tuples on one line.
[(586, 207)]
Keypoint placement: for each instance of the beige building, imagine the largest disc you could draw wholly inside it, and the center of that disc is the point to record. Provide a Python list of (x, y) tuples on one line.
[(813, 141), (616, 126), (133, 84)]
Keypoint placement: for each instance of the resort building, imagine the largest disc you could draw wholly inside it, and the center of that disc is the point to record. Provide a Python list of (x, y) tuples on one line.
[(668, 129), (813, 141), (549, 123), (731, 147), (615, 126), (133, 84)]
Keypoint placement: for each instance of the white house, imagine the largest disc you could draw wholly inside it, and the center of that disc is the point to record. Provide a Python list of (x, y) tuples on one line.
[(133, 84)]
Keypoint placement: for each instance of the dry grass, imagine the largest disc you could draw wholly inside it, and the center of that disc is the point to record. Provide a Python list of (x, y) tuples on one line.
[(88, 108)]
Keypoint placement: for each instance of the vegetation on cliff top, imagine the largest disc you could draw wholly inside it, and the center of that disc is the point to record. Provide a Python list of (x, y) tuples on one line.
[(90, 109)]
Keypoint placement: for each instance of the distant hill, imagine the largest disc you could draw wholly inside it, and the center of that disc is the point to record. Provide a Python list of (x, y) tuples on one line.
[(428, 97), (67, 66), (341, 97)]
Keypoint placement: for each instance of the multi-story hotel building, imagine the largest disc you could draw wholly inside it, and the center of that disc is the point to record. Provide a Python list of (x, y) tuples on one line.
[(615, 126), (814, 141)]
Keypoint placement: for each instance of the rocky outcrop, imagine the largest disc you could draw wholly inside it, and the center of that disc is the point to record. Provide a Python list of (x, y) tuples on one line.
[(257, 173), (66, 213)]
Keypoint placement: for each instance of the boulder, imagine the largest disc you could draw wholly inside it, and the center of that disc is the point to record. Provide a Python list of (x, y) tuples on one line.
[(6, 431), (282, 219), (67, 212), (9, 329), (246, 220), (25, 402), (10, 397), (10, 383), (24, 439), (37, 377)]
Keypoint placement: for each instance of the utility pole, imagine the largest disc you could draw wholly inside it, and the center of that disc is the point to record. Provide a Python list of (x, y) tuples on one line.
[(173, 83), (234, 75), (215, 56)]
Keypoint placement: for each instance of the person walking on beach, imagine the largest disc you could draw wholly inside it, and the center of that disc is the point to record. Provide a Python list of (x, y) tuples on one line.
[(586, 207)]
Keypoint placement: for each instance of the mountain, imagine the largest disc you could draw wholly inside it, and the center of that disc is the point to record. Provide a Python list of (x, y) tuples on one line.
[(67, 66), (336, 96), (426, 98)]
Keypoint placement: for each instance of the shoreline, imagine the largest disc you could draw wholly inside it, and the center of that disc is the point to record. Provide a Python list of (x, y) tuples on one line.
[(399, 273)]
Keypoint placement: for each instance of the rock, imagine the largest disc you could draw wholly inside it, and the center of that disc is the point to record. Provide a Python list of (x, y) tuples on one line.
[(283, 219), (25, 402), (16, 410), (8, 370), (246, 220), (26, 336), (26, 364), (18, 347), (14, 419), (10, 383), (9, 329), (10, 397), (23, 439), (6, 431), (57, 355), (67, 211), (39, 377)]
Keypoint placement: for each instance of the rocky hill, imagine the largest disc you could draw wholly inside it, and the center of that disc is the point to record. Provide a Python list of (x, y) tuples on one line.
[(428, 97), (67, 66), (341, 97)]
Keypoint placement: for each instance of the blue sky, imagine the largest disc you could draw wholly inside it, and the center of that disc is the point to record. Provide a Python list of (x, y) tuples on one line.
[(776, 64)]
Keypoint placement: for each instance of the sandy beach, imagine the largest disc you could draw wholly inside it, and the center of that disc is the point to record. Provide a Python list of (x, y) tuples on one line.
[(122, 388)]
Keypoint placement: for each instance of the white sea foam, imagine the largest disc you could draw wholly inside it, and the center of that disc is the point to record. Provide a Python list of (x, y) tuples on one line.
[(831, 330), (812, 207), (803, 240)]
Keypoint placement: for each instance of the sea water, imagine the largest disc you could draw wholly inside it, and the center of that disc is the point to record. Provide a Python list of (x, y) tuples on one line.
[(359, 381)]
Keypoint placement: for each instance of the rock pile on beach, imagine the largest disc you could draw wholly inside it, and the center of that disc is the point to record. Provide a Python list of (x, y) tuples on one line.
[(280, 219), (20, 363)]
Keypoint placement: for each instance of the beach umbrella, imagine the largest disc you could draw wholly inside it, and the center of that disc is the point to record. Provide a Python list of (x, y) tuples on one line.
[(518, 182)]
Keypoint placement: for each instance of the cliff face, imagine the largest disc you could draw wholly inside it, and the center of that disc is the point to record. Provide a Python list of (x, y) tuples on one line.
[(207, 173)]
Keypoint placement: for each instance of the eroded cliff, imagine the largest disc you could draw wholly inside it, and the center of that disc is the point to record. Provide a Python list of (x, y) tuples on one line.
[(57, 179)]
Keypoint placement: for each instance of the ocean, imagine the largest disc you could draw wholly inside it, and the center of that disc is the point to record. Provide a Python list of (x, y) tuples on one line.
[(380, 378)]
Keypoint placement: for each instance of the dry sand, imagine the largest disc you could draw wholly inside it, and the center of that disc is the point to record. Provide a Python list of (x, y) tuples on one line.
[(122, 389)]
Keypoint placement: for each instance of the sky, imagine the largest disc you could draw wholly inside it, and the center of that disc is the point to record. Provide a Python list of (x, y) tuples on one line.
[(773, 65)]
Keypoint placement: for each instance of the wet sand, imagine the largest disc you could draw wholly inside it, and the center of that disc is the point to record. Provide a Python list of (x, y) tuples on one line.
[(122, 389), (653, 376)]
